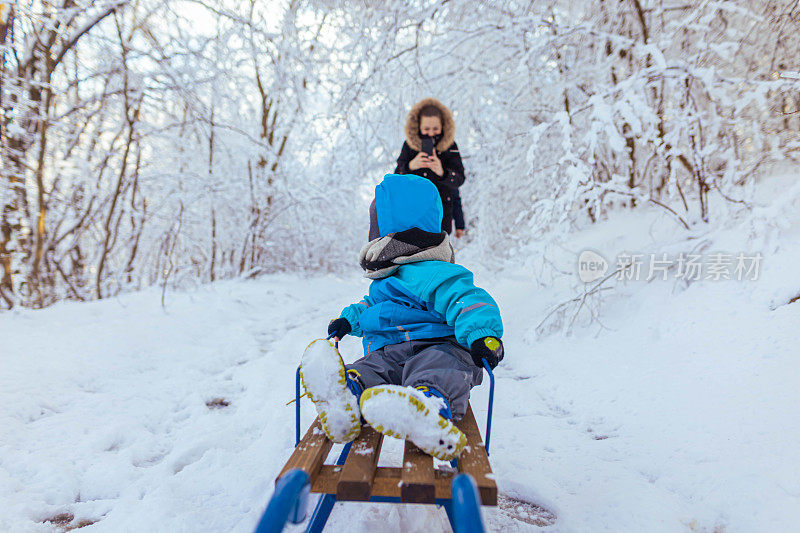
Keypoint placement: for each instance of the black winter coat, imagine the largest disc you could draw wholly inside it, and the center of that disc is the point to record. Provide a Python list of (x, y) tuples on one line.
[(458, 211), (448, 184)]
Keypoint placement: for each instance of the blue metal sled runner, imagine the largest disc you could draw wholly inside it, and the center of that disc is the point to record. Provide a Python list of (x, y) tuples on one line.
[(357, 477)]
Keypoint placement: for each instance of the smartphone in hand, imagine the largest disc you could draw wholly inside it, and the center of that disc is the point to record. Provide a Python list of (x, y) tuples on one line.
[(427, 145)]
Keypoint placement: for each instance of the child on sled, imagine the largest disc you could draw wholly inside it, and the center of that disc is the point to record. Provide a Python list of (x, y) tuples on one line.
[(425, 326)]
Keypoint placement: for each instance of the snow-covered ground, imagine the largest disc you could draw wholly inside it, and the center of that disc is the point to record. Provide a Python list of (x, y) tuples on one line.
[(677, 413)]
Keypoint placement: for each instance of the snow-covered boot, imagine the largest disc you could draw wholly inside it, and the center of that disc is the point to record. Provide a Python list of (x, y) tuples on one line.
[(333, 391), (405, 412)]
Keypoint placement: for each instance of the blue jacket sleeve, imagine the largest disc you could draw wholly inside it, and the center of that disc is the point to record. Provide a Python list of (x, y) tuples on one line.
[(469, 309), (353, 312)]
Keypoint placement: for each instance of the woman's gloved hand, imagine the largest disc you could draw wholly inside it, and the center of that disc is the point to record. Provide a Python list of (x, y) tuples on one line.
[(340, 327), (489, 348)]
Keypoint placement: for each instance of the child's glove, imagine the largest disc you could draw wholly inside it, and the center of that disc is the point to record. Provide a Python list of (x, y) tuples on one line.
[(339, 327), (489, 348)]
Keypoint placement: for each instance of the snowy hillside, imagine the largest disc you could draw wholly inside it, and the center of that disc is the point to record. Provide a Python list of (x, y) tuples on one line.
[(675, 412), (185, 187)]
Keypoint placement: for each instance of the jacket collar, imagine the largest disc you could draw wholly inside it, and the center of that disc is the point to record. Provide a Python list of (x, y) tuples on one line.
[(381, 257)]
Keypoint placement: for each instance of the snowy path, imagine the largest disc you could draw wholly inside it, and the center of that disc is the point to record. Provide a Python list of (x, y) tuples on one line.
[(667, 422)]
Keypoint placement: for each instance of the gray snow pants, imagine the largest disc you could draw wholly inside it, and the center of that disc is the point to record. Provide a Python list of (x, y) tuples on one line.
[(441, 364)]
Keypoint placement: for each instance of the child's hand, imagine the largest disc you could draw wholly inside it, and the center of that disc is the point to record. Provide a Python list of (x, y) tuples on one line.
[(459, 233), (341, 327), (435, 164), (489, 348), (421, 160)]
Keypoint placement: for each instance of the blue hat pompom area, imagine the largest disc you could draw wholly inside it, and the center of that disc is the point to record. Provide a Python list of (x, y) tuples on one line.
[(403, 202)]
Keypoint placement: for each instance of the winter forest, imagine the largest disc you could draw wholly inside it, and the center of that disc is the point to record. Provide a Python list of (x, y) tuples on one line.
[(176, 143), (185, 186)]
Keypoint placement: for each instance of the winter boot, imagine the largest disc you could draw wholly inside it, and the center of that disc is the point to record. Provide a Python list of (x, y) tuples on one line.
[(334, 392), (405, 412)]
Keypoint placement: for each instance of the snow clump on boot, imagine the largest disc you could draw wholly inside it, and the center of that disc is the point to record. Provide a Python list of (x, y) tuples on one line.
[(324, 378), (405, 412)]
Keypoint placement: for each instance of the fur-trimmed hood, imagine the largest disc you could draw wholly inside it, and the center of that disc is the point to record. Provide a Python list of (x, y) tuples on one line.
[(412, 125)]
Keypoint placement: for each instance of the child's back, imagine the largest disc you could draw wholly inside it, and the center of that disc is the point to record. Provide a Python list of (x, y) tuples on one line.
[(425, 300), (418, 292)]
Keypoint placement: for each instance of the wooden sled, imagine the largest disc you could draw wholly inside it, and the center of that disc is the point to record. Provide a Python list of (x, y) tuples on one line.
[(356, 476)]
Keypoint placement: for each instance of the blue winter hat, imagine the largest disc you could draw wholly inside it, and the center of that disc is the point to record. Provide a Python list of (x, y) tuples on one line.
[(403, 202)]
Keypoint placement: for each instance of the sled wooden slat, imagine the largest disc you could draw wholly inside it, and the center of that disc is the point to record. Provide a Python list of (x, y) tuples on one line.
[(417, 481), (418, 478), (474, 461), (311, 452), (358, 472), (387, 482)]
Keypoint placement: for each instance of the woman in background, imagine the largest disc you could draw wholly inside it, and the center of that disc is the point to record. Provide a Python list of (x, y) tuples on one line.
[(431, 120)]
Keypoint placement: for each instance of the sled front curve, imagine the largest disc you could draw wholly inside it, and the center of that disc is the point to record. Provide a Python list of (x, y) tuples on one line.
[(357, 477)]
